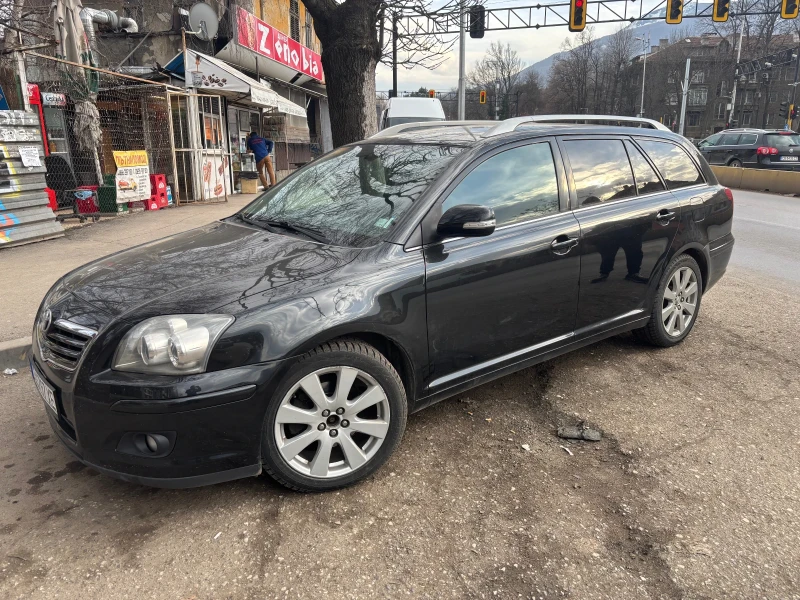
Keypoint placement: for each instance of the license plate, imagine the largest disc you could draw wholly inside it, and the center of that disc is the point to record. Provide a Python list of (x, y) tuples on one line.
[(789, 158), (45, 389)]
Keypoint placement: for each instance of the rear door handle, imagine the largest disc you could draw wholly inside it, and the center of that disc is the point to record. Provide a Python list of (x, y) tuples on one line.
[(563, 244), (665, 215)]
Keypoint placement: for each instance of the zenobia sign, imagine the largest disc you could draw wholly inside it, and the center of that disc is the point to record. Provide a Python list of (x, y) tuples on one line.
[(267, 41)]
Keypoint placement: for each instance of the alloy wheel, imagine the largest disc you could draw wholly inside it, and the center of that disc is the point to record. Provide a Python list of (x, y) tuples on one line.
[(680, 301), (332, 422)]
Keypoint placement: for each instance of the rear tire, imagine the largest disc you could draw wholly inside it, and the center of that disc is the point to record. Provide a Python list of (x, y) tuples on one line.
[(736, 163), (676, 305), (336, 419)]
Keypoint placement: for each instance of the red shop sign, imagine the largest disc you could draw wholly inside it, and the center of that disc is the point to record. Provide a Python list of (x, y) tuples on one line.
[(264, 39)]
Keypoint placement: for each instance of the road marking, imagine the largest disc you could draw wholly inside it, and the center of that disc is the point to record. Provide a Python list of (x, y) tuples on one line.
[(767, 223)]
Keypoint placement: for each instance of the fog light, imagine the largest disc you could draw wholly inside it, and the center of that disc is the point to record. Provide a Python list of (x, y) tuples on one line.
[(151, 442)]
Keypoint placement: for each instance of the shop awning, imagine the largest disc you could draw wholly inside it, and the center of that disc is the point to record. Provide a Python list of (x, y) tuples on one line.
[(216, 77)]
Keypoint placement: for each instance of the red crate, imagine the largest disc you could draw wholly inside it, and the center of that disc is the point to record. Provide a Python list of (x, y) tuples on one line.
[(86, 199), (158, 184)]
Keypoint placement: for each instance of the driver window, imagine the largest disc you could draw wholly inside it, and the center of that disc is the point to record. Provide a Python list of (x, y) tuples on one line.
[(711, 140), (519, 184)]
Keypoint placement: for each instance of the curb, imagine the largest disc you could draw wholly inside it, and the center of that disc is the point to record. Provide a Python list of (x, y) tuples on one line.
[(14, 353)]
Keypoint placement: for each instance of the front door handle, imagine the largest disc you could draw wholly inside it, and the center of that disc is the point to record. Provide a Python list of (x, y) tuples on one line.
[(665, 215), (563, 244)]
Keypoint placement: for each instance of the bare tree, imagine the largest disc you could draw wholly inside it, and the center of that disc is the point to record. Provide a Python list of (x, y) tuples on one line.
[(498, 72)]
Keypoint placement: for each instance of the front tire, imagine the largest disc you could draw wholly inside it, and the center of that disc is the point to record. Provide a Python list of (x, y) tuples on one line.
[(676, 305), (336, 419)]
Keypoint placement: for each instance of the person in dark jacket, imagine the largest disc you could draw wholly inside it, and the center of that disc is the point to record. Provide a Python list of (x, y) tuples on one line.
[(261, 149)]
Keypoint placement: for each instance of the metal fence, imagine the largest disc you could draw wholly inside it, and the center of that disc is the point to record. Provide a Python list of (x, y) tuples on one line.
[(96, 119)]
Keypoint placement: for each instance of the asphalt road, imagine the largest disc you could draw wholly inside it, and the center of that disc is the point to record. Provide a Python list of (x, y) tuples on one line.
[(767, 230), (693, 493)]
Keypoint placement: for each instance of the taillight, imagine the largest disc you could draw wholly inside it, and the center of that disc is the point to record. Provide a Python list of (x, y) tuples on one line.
[(766, 150), (729, 194), (773, 150)]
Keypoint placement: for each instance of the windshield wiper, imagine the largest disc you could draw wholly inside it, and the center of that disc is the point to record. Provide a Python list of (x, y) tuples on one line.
[(272, 224), (309, 232)]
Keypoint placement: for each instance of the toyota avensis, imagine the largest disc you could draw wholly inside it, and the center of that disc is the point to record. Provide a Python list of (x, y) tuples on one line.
[(297, 335)]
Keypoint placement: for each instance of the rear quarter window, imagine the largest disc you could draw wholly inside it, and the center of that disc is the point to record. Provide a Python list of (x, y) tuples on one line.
[(677, 169)]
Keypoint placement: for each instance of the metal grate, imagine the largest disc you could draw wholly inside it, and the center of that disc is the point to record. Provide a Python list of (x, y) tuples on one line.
[(64, 342)]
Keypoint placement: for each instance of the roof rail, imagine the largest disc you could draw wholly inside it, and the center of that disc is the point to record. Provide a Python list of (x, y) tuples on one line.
[(397, 129), (510, 125)]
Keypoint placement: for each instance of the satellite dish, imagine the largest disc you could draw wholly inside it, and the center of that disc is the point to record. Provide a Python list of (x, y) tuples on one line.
[(203, 21)]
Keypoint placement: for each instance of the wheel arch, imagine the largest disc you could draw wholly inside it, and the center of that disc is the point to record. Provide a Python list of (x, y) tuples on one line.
[(394, 351), (699, 254)]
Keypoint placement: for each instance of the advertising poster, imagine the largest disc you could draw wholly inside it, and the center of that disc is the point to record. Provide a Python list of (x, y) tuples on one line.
[(133, 175), (215, 173)]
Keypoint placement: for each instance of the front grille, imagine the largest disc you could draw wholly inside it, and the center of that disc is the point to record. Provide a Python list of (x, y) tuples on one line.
[(64, 342)]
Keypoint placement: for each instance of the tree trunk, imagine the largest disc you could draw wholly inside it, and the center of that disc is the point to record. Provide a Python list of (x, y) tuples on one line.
[(350, 79), (350, 53)]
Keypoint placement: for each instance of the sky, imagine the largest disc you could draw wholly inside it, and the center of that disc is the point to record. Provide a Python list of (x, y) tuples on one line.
[(532, 45)]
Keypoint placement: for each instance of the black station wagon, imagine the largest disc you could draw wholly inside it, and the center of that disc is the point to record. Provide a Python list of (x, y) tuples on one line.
[(753, 148), (297, 335)]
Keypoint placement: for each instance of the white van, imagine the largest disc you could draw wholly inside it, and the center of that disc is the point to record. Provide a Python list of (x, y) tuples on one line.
[(411, 110)]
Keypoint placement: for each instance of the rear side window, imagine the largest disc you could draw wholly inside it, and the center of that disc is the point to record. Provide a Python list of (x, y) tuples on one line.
[(675, 165), (601, 171), (518, 184), (729, 139), (748, 139), (647, 181)]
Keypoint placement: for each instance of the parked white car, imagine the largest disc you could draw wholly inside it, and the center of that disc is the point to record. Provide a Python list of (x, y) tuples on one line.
[(411, 110)]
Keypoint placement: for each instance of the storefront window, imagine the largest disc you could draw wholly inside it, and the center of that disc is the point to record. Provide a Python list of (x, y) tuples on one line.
[(211, 120)]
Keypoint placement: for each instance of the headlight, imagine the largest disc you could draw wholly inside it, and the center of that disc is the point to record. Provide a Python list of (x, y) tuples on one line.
[(171, 345)]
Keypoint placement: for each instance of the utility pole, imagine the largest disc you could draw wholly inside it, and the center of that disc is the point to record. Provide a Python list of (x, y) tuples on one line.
[(735, 76), (496, 101), (685, 96), (646, 48), (394, 55), (462, 60), (794, 87)]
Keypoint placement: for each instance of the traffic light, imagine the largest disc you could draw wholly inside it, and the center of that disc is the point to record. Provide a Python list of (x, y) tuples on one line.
[(482, 97), (477, 21), (783, 111), (431, 93), (722, 8), (789, 9), (674, 11), (577, 15)]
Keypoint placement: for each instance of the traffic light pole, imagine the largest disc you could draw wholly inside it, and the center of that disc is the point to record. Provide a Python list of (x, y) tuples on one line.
[(462, 60)]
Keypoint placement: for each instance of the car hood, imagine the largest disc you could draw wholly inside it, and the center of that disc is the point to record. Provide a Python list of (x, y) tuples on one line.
[(201, 269)]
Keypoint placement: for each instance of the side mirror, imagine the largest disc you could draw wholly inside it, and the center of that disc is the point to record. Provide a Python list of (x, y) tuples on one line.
[(467, 220)]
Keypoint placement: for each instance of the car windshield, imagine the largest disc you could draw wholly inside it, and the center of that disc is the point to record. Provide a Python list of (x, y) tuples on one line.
[(783, 141), (354, 195)]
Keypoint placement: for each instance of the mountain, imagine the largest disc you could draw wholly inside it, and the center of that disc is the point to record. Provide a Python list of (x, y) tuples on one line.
[(658, 30)]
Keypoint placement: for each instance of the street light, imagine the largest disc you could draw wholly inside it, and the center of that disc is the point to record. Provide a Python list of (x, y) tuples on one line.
[(646, 47)]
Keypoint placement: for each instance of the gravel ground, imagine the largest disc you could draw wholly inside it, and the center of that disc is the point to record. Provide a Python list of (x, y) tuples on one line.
[(692, 493)]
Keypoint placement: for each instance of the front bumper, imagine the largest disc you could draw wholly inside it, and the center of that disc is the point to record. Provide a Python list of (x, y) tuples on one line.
[(213, 419)]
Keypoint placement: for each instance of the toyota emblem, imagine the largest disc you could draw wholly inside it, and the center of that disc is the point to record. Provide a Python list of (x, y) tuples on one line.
[(46, 320)]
